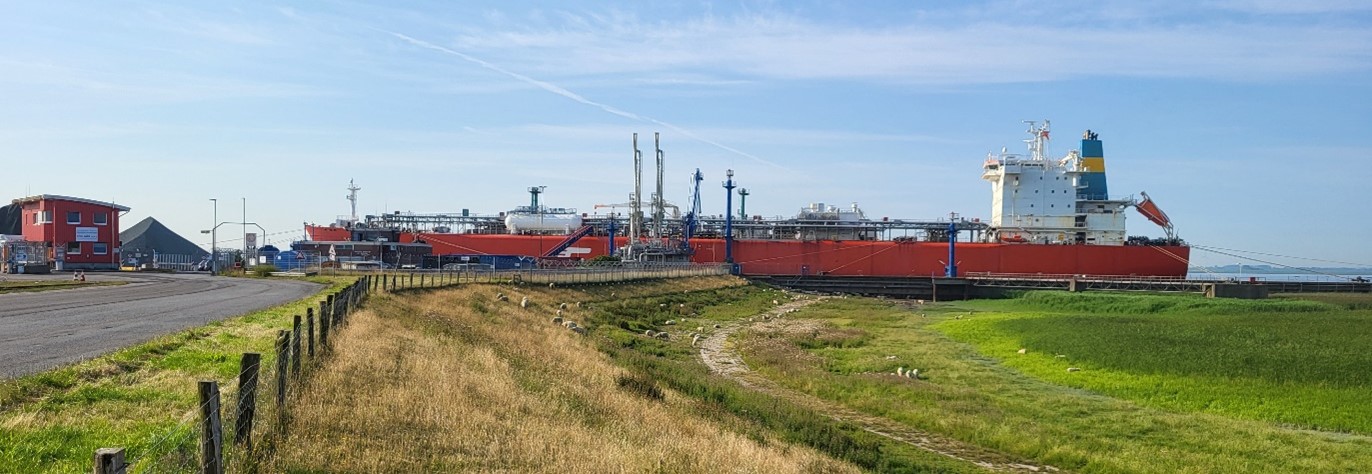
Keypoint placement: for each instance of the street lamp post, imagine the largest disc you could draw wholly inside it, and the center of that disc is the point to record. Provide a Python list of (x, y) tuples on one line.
[(214, 241), (245, 232), (212, 231)]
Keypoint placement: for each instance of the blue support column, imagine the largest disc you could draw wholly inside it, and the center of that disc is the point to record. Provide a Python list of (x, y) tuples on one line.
[(611, 245), (952, 249), (729, 218)]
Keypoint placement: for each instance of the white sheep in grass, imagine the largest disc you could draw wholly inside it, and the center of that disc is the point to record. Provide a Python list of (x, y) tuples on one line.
[(900, 371), (718, 326), (579, 330), (649, 332), (912, 373), (662, 305), (561, 306), (694, 340), (501, 297), (700, 328), (662, 335), (557, 320), (569, 324), (775, 302), (670, 322), (524, 303), (552, 284), (578, 304)]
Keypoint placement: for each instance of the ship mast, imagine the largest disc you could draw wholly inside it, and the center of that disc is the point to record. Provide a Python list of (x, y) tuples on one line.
[(352, 198), (1038, 145)]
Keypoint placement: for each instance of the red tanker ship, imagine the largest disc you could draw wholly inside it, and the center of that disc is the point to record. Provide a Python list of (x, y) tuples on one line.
[(1049, 216)]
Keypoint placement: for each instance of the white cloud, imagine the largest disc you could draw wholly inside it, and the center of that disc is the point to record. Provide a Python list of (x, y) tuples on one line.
[(979, 51)]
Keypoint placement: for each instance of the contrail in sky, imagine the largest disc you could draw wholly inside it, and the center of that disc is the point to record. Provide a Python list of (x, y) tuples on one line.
[(554, 88)]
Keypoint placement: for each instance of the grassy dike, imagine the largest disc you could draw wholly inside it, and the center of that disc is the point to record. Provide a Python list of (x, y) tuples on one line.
[(457, 380), (142, 398), (977, 388)]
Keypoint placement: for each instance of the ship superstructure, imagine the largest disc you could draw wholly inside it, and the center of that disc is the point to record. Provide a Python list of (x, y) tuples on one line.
[(1036, 199)]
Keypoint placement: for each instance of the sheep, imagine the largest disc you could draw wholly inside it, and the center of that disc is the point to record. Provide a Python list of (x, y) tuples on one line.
[(569, 324), (524, 303), (718, 326), (890, 357), (559, 313), (501, 297), (912, 373), (649, 332), (561, 306), (579, 330), (557, 320), (694, 340), (1060, 356), (919, 302), (670, 322), (1024, 350), (700, 328), (662, 305), (578, 304), (900, 371), (612, 294), (1073, 369), (662, 335), (775, 302), (552, 284)]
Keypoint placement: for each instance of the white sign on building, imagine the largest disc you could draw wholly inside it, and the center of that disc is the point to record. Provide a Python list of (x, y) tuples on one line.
[(87, 234)]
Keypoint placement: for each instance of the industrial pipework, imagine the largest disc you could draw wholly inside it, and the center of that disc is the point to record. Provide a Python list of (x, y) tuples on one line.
[(729, 217)]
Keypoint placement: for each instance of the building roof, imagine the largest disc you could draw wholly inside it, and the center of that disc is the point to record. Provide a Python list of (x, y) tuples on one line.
[(149, 235), (57, 197), (10, 217)]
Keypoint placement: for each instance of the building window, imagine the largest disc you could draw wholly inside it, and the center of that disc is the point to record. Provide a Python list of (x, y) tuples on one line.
[(100, 218), (100, 248), (42, 217), (73, 217), (73, 248)]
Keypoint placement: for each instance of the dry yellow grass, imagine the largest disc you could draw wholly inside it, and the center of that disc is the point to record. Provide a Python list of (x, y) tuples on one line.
[(456, 381)]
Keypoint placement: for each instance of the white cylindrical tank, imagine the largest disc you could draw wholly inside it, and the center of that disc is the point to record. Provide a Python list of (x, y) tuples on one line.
[(542, 223)]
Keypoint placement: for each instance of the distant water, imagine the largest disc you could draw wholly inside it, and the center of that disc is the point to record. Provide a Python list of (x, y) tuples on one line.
[(1202, 275)]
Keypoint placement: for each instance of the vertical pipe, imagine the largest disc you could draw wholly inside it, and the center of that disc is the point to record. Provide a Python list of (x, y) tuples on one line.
[(952, 249), (729, 217)]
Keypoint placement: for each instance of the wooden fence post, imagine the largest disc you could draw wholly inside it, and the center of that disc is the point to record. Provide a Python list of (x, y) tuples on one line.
[(247, 398), (283, 356), (295, 347), (323, 329), (411, 284), (331, 309), (212, 434), (309, 331), (110, 461)]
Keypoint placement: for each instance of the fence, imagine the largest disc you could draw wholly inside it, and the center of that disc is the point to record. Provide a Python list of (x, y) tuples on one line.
[(259, 405), (253, 400)]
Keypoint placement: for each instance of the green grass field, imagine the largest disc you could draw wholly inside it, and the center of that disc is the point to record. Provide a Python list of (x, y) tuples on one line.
[(1297, 362), (1127, 409)]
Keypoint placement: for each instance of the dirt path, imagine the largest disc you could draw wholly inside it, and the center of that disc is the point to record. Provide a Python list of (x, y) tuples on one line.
[(722, 358)]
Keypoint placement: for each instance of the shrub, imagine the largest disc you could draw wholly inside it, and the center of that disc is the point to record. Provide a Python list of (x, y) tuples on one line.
[(264, 270)]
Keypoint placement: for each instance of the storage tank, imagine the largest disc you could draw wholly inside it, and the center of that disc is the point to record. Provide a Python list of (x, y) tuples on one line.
[(542, 223)]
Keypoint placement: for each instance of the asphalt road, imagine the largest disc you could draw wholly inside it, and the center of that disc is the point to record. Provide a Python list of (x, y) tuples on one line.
[(47, 329)]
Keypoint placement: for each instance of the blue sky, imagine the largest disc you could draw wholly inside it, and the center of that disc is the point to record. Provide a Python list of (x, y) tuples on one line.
[(1247, 121)]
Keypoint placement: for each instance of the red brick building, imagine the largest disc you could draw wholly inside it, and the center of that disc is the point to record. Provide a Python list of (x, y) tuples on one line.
[(83, 234)]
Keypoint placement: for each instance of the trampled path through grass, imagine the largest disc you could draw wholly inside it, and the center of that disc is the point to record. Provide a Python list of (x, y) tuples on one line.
[(724, 359)]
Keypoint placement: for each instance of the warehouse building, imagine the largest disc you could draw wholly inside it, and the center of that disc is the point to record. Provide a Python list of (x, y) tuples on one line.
[(81, 234)]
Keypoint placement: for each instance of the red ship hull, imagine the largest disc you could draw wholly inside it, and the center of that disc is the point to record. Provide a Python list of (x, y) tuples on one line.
[(847, 258)]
